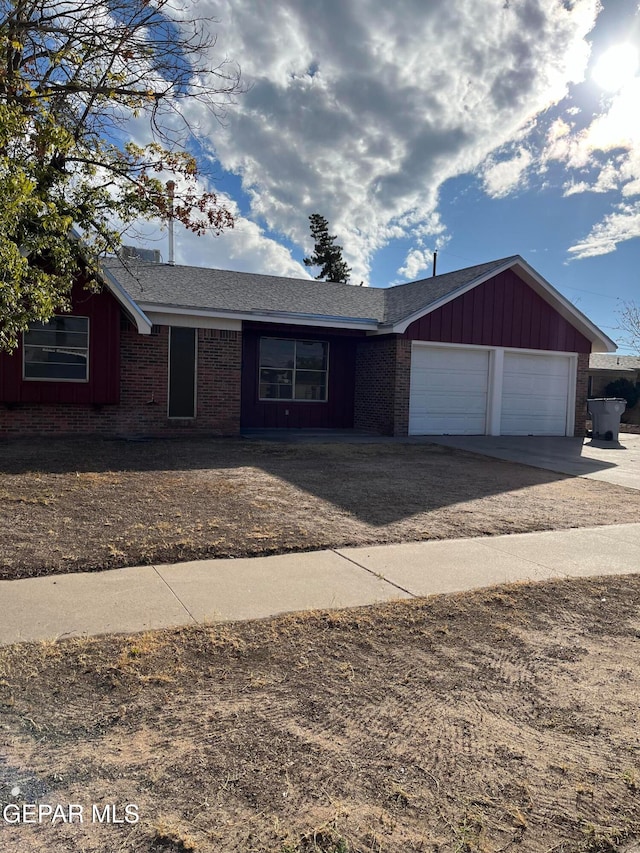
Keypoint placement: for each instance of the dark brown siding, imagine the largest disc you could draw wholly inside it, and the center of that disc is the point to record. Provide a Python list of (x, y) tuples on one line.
[(104, 360), (503, 312), (336, 413)]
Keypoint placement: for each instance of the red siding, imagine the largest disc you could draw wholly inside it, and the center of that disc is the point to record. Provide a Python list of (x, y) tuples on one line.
[(503, 311), (336, 413), (104, 360), (142, 408)]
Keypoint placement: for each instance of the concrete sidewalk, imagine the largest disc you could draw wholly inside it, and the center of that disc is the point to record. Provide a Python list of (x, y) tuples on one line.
[(148, 597)]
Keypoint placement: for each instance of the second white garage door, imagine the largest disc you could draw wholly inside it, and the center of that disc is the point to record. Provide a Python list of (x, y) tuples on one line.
[(535, 391), (448, 391)]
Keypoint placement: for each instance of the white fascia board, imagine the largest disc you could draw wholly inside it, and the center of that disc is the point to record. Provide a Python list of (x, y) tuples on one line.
[(217, 319), (189, 320), (143, 323), (600, 342)]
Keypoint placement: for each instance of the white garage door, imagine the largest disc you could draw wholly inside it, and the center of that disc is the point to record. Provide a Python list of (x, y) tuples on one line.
[(534, 394), (448, 391)]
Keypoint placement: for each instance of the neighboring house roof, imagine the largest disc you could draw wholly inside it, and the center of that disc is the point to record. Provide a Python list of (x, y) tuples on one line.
[(200, 292), (610, 361)]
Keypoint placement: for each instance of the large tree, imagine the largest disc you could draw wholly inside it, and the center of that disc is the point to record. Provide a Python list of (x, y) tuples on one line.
[(72, 76), (326, 254)]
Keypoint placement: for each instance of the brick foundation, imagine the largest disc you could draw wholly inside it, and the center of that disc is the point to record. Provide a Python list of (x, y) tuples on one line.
[(383, 370), (143, 393)]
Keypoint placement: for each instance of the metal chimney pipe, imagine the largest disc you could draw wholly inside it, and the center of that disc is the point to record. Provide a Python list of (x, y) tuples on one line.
[(171, 189), (435, 261)]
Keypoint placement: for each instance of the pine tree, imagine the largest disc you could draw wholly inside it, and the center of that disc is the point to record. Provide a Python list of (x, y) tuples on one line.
[(326, 254)]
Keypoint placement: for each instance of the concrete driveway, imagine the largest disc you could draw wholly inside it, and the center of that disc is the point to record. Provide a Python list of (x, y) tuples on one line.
[(617, 463)]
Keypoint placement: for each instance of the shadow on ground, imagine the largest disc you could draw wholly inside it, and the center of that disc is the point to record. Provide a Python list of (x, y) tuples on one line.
[(375, 479)]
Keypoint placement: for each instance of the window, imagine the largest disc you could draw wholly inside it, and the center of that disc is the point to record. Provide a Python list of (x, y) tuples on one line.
[(57, 350), (182, 372), (293, 370)]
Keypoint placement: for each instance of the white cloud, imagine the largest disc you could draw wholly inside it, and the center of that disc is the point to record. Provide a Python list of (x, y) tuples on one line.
[(361, 111), (608, 180), (632, 188), (614, 133), (244, 248), (615, 228), (573, 188), (504, 177), (417, 261)]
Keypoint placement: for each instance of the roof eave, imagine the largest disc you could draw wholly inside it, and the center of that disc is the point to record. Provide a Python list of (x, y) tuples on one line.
[(600, 342), (130, 306), (262, 316)]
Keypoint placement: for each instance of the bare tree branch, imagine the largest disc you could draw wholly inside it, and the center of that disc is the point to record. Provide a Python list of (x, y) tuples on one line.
[(629, 319)]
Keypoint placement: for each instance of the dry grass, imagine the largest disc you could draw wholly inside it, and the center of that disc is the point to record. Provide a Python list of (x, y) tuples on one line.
[(87, 505), (500, 720)]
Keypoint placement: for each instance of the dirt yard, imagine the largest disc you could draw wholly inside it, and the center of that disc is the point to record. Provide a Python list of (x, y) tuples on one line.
[(87, 505), (500, 720)]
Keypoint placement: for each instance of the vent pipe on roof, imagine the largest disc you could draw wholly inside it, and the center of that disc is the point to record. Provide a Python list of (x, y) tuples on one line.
[(171, 189), (435, 261)]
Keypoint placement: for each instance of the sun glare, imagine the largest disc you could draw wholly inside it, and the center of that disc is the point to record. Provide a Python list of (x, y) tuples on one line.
[(616, 67)]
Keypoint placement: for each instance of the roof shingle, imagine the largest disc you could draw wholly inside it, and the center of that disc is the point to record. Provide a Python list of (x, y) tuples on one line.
[(169, 286)]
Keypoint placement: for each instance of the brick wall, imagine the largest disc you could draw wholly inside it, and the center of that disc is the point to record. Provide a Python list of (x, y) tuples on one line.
[(219, 380), (582, 383), (143, 393), (383, 367)]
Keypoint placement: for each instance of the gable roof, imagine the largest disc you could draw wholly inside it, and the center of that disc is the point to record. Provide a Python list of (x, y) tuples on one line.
[(405, 300), (201, 292)]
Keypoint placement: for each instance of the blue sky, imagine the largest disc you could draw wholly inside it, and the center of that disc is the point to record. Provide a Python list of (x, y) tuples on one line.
[(482, 128)]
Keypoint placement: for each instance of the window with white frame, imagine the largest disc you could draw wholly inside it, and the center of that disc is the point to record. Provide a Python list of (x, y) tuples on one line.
[(57, 350), (293, 370)]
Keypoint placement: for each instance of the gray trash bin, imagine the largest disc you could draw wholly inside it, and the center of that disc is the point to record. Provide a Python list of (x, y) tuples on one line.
[(605, 416)]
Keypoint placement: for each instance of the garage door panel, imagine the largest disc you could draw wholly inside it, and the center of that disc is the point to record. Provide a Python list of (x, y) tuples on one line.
[(442, 403), (519, 405), (448, 424), (536, 425), (448, 391), (539, 384), (440, 381)]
